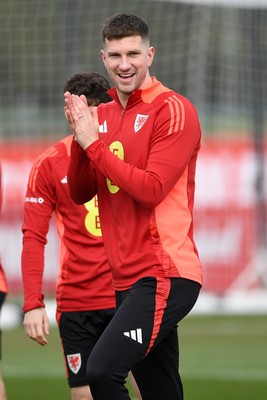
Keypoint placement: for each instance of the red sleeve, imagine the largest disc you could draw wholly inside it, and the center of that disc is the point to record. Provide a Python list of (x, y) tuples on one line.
[(38, 209), (3, 281), (81, 177), (172, 146), (1, 193)]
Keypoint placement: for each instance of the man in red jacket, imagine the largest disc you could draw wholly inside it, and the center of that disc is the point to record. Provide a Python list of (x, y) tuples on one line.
[(138, 154), (85, 297)]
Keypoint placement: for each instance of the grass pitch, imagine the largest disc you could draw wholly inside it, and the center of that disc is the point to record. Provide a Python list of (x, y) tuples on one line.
[(221, 357), (224, 357)]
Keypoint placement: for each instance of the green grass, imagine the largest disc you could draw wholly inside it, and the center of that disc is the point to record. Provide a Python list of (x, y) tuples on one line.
[(224, 357), (221, 357)]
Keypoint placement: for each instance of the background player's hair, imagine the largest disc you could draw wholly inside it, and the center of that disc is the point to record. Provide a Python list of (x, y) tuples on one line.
[(93, 85)]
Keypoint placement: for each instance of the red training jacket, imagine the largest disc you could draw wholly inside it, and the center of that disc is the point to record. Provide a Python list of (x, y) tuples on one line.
[(84, 279), (143, 170)]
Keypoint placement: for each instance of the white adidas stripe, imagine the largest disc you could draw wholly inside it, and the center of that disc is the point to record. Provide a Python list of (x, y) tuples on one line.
[(135, 334)]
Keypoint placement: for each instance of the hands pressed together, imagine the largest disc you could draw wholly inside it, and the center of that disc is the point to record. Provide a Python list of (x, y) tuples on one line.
[(82, 119)]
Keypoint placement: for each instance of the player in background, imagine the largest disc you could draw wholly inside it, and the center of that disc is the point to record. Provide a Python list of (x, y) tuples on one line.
[(84, 295), (3, 293), (138, 154)]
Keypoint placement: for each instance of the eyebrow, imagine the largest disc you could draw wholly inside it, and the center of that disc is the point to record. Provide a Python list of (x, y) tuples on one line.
[(111, 52)]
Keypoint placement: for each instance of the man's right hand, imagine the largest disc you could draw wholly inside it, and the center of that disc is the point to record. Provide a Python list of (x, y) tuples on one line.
[(36, 325)]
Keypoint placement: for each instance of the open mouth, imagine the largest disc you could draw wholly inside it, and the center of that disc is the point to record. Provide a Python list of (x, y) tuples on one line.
[(126, 76)]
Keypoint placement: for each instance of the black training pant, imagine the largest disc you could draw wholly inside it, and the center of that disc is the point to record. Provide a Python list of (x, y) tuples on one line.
[(142, 337)]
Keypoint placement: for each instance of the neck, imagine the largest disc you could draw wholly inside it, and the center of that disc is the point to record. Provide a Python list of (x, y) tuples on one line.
[(147, 83), (124, 97)]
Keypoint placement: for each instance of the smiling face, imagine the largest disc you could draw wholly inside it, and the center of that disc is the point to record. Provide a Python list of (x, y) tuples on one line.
[(127, 61)]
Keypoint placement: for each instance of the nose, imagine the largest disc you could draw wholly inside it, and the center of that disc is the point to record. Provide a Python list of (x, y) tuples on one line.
[(124, 64)]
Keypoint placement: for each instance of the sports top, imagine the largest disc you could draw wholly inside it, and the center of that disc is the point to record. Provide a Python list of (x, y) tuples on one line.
[(142, 168), (84, 278)]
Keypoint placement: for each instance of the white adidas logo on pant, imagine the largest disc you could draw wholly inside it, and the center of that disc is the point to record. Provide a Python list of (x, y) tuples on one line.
[(135, 334)]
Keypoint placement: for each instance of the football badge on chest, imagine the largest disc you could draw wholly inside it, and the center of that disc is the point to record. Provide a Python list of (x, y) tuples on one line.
[(139, 122)]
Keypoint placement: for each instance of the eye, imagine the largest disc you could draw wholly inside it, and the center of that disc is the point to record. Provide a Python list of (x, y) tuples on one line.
[(113, 55), (134, 54)]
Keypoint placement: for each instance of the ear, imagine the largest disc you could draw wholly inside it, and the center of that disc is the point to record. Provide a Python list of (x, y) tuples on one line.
[(150, 55), (104, 58)]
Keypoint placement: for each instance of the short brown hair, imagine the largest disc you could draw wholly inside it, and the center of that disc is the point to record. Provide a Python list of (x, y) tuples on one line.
[(124, 25)]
